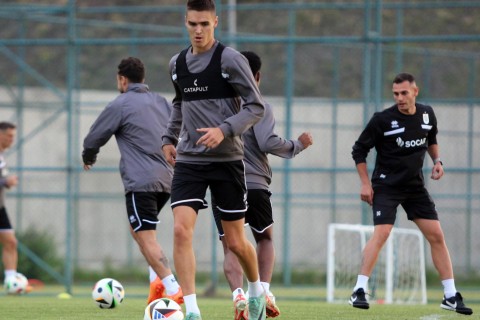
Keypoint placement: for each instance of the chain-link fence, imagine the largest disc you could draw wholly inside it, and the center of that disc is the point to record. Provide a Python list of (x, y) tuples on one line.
[(326, 68)]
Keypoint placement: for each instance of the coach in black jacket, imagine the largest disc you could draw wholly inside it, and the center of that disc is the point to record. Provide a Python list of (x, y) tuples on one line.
[(401, 135)]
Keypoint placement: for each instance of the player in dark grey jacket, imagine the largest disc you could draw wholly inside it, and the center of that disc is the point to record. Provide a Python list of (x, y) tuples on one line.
[(260, 140), (402, 135), (216, 101), (138, 118)]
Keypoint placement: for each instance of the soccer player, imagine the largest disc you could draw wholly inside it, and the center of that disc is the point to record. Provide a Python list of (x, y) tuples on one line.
[(137, 118), (8, 240), (259, 140), (216, 101), (401, 135)]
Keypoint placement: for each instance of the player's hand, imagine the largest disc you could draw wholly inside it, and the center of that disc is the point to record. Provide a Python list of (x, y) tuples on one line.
[(212, 137), (306, 139), (11, 181), (366, 193), (170, 153), (87, 167), (437, 171)]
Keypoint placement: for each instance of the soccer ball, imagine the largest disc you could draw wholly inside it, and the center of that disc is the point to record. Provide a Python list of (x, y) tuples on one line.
[(163, 308), (16, 284), (108, 293)]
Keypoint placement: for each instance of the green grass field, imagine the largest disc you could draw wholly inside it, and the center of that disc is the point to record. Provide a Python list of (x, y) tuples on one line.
[(295, 303)]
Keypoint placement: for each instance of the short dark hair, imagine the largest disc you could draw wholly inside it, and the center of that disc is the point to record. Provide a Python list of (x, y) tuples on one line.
[(4, 125), (201, 5), (133, 69), (402, 77), (253, 60)]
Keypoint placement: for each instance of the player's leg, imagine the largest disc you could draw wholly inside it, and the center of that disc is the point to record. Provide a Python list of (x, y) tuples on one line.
[(234, 275), (420, 208), (266, 262), (183, 254), (142, 210), (260, 218), (369, 259), (265, 253), (373, 247), (432, 231), (9, 249), (229, 189), (187, 197), (384, 211), (232, 270), (153, 253), (238, 243), (8, 240)]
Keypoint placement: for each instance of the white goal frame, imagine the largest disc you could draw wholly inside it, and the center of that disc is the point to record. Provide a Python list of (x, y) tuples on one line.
[(389, 252)]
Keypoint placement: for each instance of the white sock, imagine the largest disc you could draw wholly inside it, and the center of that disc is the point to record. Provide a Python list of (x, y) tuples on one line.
[(191, 305), (449, 288), (255, 289), (362, 282), (171, 284), (10, 273), (237, 292), (151, 274)]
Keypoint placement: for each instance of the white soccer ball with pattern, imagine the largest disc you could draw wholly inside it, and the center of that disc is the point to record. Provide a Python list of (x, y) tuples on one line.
[(16, 284), (108, 293), (163, 308)]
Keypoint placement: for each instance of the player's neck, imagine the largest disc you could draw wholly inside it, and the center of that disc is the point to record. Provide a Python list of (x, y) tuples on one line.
[(208, 46)]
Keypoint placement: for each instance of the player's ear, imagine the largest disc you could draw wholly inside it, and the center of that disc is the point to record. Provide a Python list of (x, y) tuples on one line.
[(416, 90), (257, 76)]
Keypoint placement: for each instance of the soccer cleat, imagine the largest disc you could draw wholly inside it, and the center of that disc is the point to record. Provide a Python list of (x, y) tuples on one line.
[(240, 306), (358, 300), (193, 316), (456, 304), (257, 308), (272, 309), (177, 297), (157, 290)]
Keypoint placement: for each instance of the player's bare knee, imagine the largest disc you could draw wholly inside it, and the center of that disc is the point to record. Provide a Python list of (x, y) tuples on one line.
[(182, 235), (10, 241)]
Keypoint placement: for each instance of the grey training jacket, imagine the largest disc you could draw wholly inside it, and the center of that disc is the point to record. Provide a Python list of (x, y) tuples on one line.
[(138, 119), (233, 116), (260, 140)]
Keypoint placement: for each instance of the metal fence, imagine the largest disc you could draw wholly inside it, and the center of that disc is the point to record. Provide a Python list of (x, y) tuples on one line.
[(327, 67)]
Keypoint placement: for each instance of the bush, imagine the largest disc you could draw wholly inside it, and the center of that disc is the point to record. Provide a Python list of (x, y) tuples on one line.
[(43, 245)]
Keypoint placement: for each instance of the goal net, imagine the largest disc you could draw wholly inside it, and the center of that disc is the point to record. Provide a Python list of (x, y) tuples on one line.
[(399, 275)]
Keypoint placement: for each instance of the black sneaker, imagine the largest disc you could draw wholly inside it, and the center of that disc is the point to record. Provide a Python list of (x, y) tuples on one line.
[(358, 300), (456, 304)]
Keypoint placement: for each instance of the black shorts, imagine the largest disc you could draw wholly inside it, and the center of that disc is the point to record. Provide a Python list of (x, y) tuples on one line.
[(143, 209), (259, 215), (416, 202), (227, 185), (4, 221)]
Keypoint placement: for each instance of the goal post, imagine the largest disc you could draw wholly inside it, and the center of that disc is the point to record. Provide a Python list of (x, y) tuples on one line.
[(398, 276)]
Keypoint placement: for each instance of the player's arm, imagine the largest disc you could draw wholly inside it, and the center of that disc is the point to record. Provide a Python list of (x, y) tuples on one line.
[(9, 181), (269, 142), (437, 170), (360, 150), (366, 190), (433, 149), (170, 137), (100, 132), (236, 66)]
